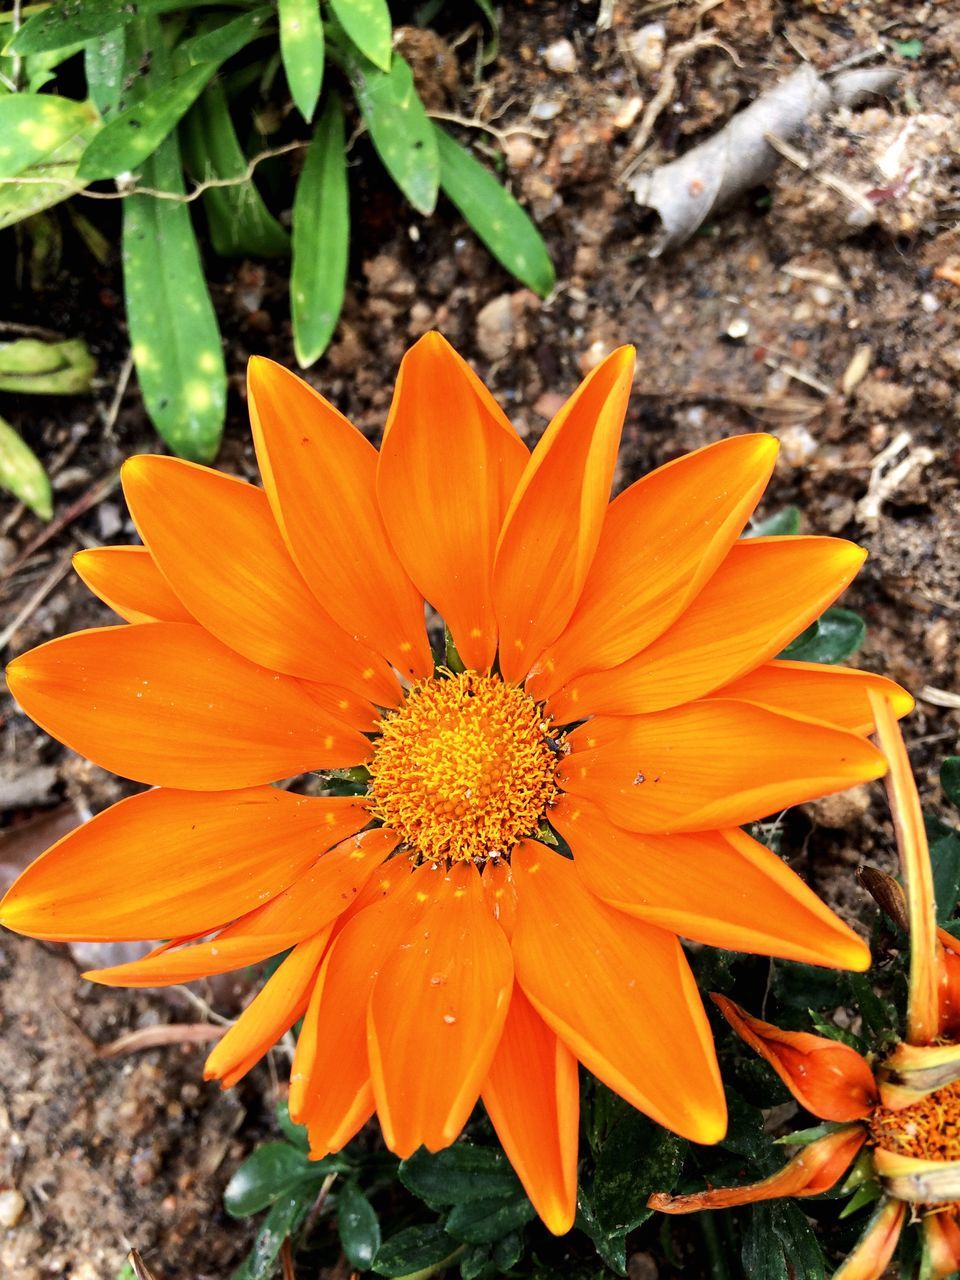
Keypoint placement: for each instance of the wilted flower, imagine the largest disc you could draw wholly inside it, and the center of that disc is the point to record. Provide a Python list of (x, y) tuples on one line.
[(905, 1111), (619, 694)]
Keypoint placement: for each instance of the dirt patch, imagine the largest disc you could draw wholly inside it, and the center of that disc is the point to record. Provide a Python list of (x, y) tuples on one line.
[(781, 315)]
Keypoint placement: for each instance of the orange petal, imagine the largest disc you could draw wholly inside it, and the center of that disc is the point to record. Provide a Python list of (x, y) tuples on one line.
[(825, 1076), (764, 593), (714, 763), (941, 1241), (532, 1095), (437, 1010), (330, 1088), (164, 967), (320, 476), (168, 863), (449, 450), (662, 539), (128, 580), (552, 528), (718, 887), (272, 1012), (817, 691), (876, 1246), (949, 969), (166, 703), (923, 995), (241, 583), (619, 993), (812, 1171), (314, 901)]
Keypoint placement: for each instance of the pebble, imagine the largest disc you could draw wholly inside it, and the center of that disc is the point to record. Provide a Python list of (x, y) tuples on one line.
[(495, 327), (12, 1206), (797, 444), (518, 151), (738, 329), (561, 58), (646, 46)]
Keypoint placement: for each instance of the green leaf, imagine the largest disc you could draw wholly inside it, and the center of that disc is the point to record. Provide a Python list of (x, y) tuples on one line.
[(504, 227), (778, 1244), (803, 1137), (46, 368), (103, 62), (135, 134), (507, 1251), (475, 1262), (173, 328), (295, 1133), (302, 50), (780, 524), (282, 1221), (223, 40), (638, 1157), (908, 48), (459, 1174), (358, 1227), (66, 22), (945, 861), (22, 199), (611, 1245), (833, 1032), (321, 232), (369, 26), (263, 1177), (400, 128), (832, 638), (240, 223), (866, 1193), (950, 779), (22, 473), (414, 1249), (483, 1221), (33, 125)]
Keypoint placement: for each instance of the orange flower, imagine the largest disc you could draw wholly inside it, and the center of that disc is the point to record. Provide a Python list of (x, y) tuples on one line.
[(441, 951), (907, 1110)]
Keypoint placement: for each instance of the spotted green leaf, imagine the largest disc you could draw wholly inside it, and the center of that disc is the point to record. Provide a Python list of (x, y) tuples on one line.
[(223, 39), (369, 26), (173, 329), (302, 50), (321, 236), (48, 181), (103, 61), (32, 125), (400, 128), (66, 22), (22, 473), (500, 222), (239, 221), (126, 142)]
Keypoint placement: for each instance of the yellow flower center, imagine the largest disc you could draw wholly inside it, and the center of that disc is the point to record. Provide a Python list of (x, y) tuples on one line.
[(465, 769), (926, 1130)]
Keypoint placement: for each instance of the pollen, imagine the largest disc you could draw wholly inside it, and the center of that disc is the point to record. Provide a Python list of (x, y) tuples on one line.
[(926, 1130), (465, 769)]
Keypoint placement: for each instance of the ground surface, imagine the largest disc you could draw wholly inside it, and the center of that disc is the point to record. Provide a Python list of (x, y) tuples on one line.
[(755, 323)]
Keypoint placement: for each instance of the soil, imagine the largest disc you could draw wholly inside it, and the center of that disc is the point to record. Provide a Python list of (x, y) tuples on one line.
[(784, 313)]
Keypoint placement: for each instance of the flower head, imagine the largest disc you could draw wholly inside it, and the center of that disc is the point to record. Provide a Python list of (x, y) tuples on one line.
[(613, 687), (905, 1110)]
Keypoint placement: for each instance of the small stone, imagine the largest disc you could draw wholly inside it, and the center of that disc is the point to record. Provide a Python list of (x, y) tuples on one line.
[(12, 1207), (797, 445), (518, 150), (930, 303), (109, 520), (549, 404), (821, 295), (594, 355), (561, 58), (646, 46), (738, 329), (545, 109), (495, 327)]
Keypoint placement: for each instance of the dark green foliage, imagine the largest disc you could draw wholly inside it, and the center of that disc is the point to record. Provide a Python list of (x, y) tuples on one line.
[(190, 82)]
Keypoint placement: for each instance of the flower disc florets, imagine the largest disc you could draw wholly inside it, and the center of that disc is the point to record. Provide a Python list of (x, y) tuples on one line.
[(465, 769), (926, 1130)]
